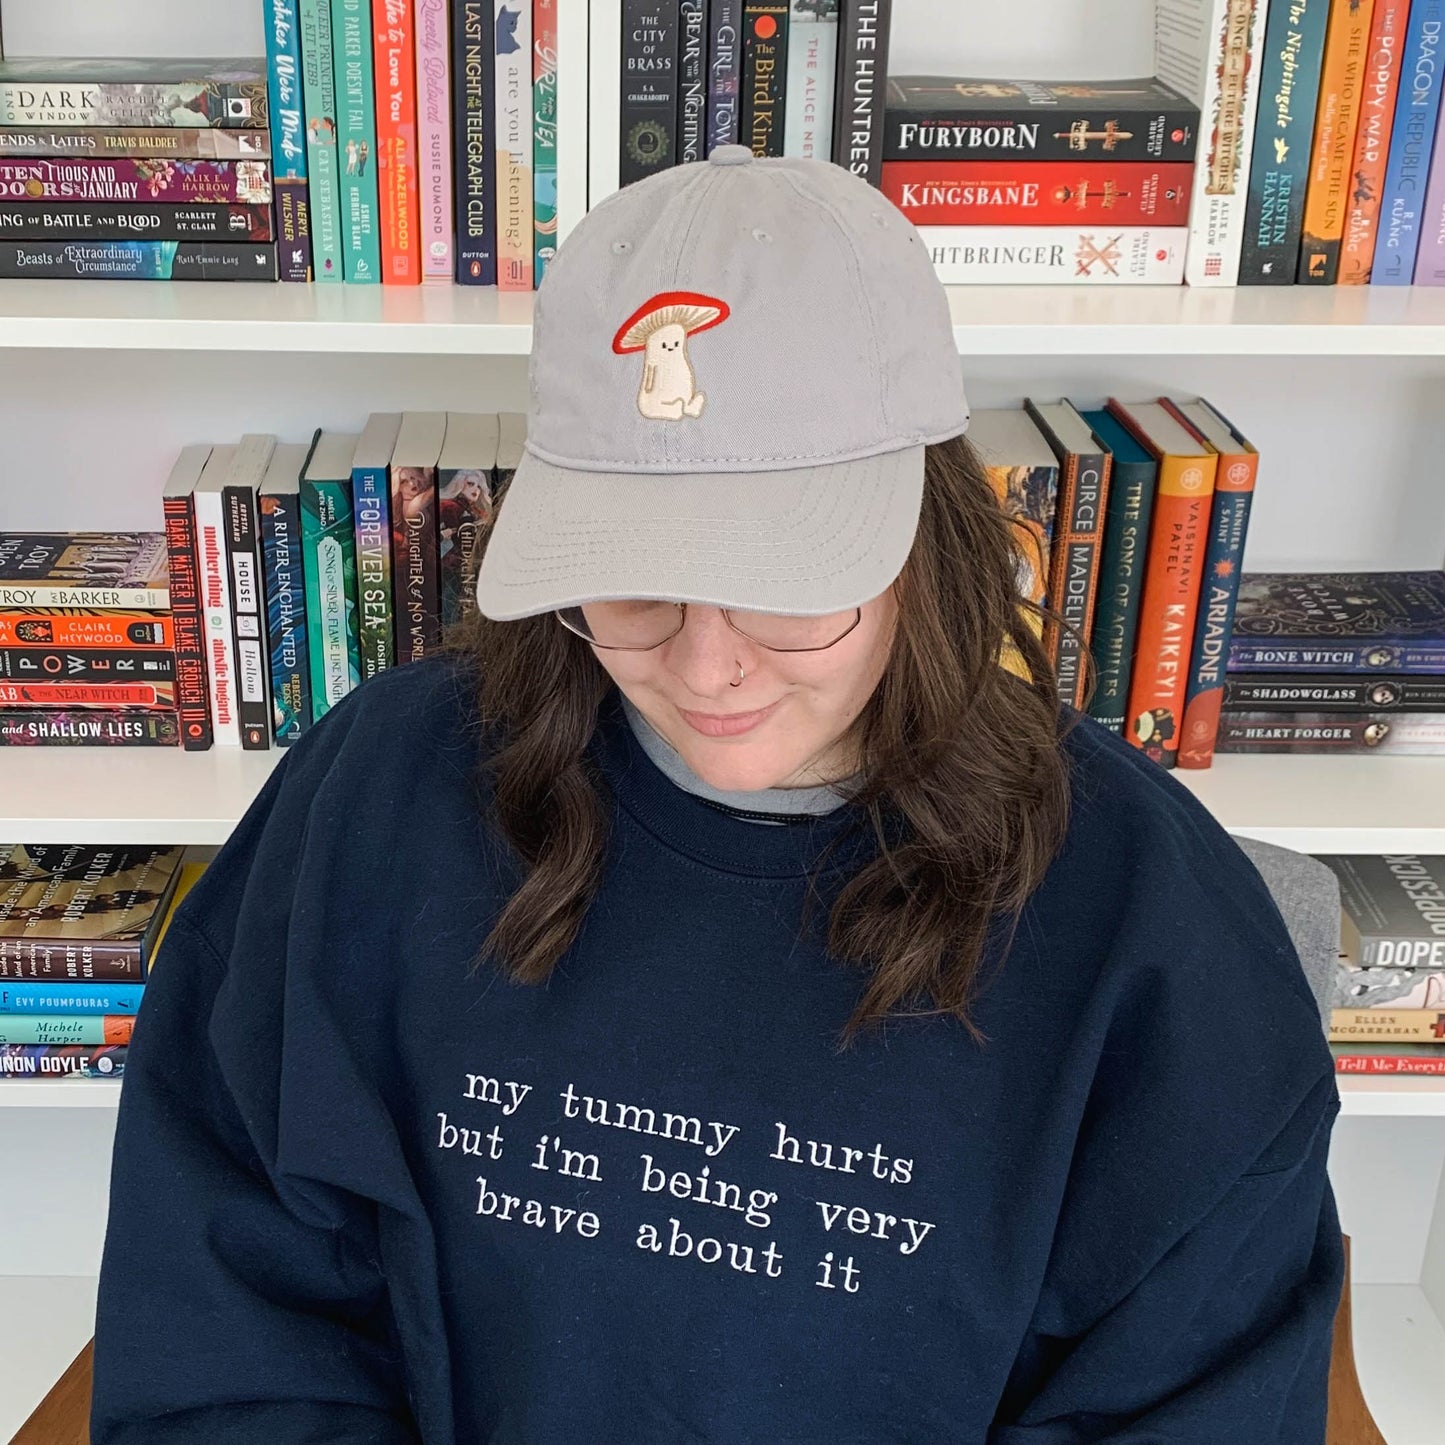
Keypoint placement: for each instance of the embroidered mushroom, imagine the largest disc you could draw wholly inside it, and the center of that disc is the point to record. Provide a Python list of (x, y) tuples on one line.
[(660, 330)]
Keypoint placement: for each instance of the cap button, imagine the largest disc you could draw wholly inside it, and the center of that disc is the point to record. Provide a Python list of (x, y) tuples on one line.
[(732, 155)]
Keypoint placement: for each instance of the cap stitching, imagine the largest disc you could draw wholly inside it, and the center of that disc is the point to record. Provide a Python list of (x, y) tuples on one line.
[(710, 182)]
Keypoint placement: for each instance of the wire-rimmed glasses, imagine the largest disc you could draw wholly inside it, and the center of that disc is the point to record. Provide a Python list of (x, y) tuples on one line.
[(641, 624)]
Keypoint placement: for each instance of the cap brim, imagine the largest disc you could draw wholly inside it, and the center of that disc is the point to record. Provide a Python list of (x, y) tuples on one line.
[(810, 540)]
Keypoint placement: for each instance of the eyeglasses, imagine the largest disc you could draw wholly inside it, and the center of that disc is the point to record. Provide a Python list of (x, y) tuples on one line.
[(640, 625)]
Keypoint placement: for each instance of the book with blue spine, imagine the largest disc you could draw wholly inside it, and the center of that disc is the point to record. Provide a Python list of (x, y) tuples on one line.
[(1417, 108), (288, 141), (70, 998), (356, 139), (474, 118), (371, 495), (279, 505), (318, 89), (328, 547)]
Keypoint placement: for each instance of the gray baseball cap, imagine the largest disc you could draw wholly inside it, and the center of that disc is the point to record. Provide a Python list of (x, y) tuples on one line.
[(736, 366)]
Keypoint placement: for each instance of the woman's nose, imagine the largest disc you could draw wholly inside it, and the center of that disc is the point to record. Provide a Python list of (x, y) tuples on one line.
[(707, 652)]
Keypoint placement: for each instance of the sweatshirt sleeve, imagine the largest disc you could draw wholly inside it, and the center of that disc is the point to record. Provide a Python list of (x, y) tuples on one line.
[(1227, 1335), (237, 1300)]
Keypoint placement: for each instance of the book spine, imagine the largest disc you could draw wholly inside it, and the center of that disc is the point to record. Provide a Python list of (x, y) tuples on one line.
[(13, 594), (1430, 255), (1294, 45), (56, 1061), (293, 202), (1336, 120), (318, 89), (861, 86), (192, 688), (648, 121), (434, 139), (415, 562), (90, 664), (51, 726), (1262, 692), (544, 170), (244, 558), (231, 104), (724, 68), (394, 46), (1390, 1064), (1378, 94), (692, 81), (812, 84), (285, 592), (516, 121), (1057, 255), (1407, 734), (474, 116), (66, 1028), (71, 998), (1042, 193), (79, 627), (125, 178), (1129, 510), (1221, 175), (216, 605), (88, 694), (356, 139), (104, 220), (765, 76), (1417, 108), (464, 511), (1269, 654), (373, 569), (138, 261), (1381, 1023), (328, 546), (1401, 950), (179, 142)]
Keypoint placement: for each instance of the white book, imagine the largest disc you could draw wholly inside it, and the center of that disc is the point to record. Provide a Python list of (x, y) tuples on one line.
[(1063, 255), (516, 126), (213, 578), (1210, 50), (812, 79)]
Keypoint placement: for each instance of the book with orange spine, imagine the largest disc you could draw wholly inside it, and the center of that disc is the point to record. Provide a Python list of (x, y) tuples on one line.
[(1170, 601), (394, 52)]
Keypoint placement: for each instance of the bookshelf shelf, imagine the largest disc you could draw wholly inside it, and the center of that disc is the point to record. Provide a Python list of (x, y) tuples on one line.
[(480, 321)]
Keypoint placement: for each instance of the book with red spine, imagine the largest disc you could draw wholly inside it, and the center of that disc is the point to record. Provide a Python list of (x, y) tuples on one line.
[(192, 688), (1042, 193), (393, 40)]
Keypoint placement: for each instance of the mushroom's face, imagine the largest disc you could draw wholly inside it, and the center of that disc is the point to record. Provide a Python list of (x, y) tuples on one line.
[(666, 343)]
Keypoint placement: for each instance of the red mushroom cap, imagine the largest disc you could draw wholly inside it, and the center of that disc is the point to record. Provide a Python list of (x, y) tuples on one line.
[(688, 309)]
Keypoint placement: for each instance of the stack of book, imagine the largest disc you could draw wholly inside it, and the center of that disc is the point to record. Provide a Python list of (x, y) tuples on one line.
[(87, 642), (80, 929), (1337, 662), (136, 170), (1388, 1014)]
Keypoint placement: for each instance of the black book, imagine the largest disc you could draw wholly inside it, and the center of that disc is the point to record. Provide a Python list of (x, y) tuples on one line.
[(474, 136), (765, 76), (692, 81), (862, 85), (724, 64), (649, 88), (243, 554)]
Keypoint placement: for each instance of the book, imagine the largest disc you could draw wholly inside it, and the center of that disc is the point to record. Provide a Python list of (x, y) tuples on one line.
[(66, 1028), (278, 505), (691, 80), (1430, 254), (133, 178), (214, 582), (394, 76), (1415, 1025), (1392, 909), (941, 117), (1334, 692), (328, 561), (1169, 603), (1129, 508), (133, 92), (1209, 51), (1366, 622), (416, 558), (318, 91), (812, 79), (1412, 139), (89, 727), (1075, 552), (137, 260), (765, 76), (288, 114), (62, 1061), (1420, 1059), (83, 912), (1057, 255), (724, 66), (371, 492), (466, 474), (85, 627), (647, 120), (351, 49), (474, 118), (516, 123), (179, 142), (66, 694), (1336, 119), (861, 89), (1378, 92), (71, 998), (544, 135), (121, 220), (246, 472), (83, 665), (1392, 988), (1408, 734), (84, 569), (1019, 192), (434, 140), (1294, 47), (1234, 480)]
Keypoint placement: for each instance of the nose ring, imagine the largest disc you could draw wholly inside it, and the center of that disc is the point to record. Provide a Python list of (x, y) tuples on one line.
[(741, 675)]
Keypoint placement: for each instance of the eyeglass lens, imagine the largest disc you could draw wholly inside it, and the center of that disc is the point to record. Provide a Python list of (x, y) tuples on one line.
[(643, 624)]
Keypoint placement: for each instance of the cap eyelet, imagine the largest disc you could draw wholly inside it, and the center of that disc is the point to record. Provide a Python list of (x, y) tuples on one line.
[(761, 235), (621, 248)]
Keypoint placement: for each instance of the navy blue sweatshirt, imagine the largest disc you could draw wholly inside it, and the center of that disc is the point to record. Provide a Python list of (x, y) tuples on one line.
[(364, 1194)]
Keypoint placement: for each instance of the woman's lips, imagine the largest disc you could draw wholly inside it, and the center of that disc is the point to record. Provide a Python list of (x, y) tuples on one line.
[(725, 725)]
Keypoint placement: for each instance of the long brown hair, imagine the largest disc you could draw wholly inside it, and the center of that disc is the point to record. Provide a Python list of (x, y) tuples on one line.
[(959, 753)]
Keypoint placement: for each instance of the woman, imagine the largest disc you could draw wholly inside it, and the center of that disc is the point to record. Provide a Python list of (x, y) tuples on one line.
[(721, 1003)]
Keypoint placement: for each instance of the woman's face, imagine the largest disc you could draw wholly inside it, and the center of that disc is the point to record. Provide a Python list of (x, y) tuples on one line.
[(782, 727)]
